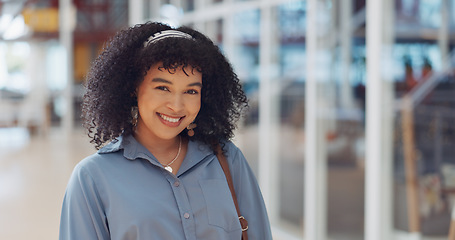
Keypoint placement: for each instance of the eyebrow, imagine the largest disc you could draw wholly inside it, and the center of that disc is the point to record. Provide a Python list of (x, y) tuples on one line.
[(161, 80)]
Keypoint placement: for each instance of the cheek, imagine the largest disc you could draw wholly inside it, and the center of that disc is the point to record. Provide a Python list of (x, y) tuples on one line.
[(141, 105), (195, 106), (149, 99)]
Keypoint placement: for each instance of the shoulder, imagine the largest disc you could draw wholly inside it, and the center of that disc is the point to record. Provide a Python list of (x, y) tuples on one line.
[(88, 165), (96, 163), (94, 171), (229, 147), (233, 154), (96, 159)]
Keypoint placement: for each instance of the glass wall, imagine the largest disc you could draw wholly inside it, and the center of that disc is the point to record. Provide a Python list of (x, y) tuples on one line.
[(304, 66), (290, 110), (424, 138), (244, 55)]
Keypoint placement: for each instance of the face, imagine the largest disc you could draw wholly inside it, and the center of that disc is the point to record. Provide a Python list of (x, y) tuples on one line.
[(167, 102)]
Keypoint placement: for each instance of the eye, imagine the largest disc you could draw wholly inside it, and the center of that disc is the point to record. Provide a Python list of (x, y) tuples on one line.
[(162, 88), (192, 92)]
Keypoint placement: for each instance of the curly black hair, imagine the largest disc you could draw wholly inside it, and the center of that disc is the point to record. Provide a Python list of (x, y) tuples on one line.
[(120, 68)]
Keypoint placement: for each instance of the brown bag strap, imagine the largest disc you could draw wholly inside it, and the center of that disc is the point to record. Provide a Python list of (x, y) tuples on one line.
[(225, 166)]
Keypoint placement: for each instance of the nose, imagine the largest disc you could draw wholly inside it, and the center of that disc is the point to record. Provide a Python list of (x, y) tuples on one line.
[(176, 103)]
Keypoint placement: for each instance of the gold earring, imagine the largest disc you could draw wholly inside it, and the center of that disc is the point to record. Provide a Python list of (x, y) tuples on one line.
[(135, 115), (191, 128)]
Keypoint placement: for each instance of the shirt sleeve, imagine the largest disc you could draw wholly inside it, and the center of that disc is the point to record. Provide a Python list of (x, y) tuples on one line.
[(83, 215), (249, 196)]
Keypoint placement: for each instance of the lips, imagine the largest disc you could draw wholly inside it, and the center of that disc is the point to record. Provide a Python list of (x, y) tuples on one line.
[(170, 121)]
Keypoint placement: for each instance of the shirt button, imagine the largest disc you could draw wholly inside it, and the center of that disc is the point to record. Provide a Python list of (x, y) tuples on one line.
[(176, 184), (186, 215)]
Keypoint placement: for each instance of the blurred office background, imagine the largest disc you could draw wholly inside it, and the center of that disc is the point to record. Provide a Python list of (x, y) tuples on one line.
[(351, 126)]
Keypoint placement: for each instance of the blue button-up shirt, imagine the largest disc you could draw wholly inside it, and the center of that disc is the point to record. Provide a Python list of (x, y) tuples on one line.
[(123, 192)]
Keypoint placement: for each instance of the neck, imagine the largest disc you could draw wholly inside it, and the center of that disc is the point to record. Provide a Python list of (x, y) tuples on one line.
[(158, 146)]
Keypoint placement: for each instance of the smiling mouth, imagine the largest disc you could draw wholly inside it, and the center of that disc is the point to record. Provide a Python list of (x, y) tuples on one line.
[(169, 119)]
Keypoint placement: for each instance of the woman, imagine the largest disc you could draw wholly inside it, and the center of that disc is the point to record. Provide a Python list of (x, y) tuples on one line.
[(159, 102)]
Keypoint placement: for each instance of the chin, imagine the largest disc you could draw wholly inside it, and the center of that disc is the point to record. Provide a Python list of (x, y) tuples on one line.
[(168, 136)]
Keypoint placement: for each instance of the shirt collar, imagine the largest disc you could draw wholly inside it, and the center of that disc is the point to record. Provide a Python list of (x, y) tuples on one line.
[(133, 150), (196, 152)]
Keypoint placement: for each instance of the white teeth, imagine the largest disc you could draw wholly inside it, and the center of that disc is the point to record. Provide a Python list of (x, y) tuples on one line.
[(169, 119)]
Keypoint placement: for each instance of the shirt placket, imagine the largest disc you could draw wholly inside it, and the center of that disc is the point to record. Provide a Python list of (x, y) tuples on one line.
[(184, 207)]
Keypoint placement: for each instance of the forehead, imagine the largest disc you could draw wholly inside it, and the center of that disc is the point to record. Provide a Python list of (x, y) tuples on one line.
[(174, 72)]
